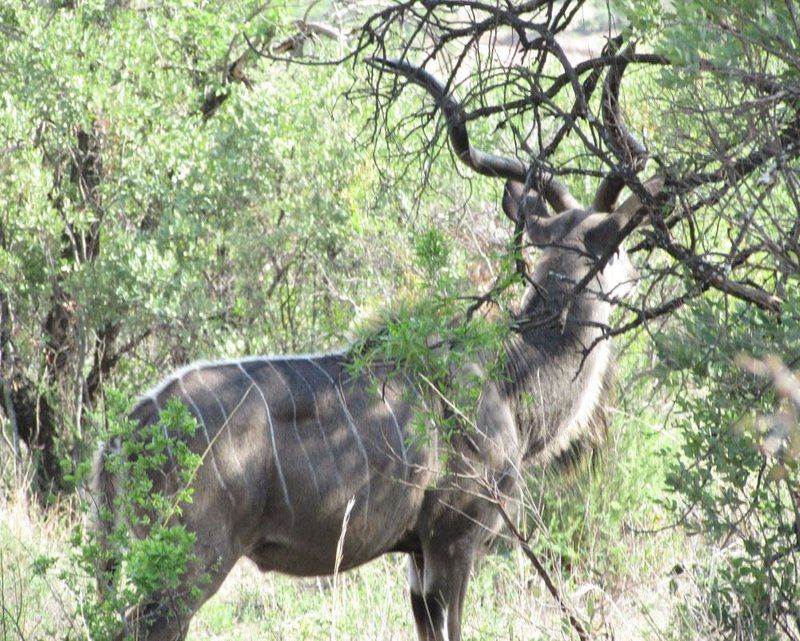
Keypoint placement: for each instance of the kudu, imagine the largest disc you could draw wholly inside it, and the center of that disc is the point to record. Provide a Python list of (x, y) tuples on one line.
[(290, 440)]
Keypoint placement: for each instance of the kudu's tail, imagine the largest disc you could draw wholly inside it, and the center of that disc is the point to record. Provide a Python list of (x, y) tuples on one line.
[(103, 493)]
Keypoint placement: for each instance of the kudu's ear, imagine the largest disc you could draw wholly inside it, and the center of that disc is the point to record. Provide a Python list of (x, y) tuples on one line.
[(520, 201), (540, 226), (600, 238)]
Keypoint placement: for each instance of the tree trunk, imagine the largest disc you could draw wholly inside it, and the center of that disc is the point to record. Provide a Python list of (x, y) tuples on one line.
[(42, 412)]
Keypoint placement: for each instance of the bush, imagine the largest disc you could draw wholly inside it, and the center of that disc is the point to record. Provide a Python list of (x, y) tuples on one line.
[(728, 486), (136, 550)]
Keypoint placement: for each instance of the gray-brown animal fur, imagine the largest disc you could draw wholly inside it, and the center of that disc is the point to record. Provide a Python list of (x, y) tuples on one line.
[(291, 440)]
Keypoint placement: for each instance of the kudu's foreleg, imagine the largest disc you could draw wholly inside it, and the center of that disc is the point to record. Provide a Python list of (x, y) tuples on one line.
[(438, 581), (167, 618), (424, 617)]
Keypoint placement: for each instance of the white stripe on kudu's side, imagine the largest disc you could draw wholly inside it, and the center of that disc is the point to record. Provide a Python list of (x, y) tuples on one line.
[(225, 426), (294, 423), (210, 450), (340, 396), (399, 436), (281, 477), (334, 464)]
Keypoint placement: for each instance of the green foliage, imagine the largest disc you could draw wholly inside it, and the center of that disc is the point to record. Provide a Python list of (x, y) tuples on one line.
[(149, 549), (725, 485), (599, 517), (177, 233), (433, 252), (427, 339), (148, 450), (690, 31), (156, 563)]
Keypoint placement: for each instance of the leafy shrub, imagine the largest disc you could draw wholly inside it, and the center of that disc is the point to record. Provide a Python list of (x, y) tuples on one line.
[(727, 486), (147, 567)]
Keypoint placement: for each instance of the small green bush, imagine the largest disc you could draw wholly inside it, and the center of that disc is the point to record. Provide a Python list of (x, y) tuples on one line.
[(137, 550)]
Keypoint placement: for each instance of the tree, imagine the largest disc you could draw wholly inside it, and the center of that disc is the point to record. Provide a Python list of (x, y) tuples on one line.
[(156, 208), (727, 135), (715, 101)]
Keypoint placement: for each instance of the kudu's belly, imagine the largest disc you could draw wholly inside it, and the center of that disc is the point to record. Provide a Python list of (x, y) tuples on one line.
[(340, 530)]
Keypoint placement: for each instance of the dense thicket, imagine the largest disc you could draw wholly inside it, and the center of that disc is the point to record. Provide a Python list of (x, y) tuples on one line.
[(166, 196), (167, 193)]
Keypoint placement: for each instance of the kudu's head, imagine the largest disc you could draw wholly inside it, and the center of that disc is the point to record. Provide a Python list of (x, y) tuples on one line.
[(571, 243), (572, 239)]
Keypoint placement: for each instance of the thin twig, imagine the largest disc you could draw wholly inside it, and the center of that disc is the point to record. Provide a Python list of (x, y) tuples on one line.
[(541, 571)]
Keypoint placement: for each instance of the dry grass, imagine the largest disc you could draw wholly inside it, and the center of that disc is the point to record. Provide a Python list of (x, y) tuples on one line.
[(506, 600), (35, 605)]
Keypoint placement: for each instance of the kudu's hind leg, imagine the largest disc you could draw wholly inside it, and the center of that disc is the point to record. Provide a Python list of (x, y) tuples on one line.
[(438, 586), (168, 617), (423, 616)]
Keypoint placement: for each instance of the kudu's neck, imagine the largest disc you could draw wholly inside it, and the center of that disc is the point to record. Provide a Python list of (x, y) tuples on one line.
[(557, 360)]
